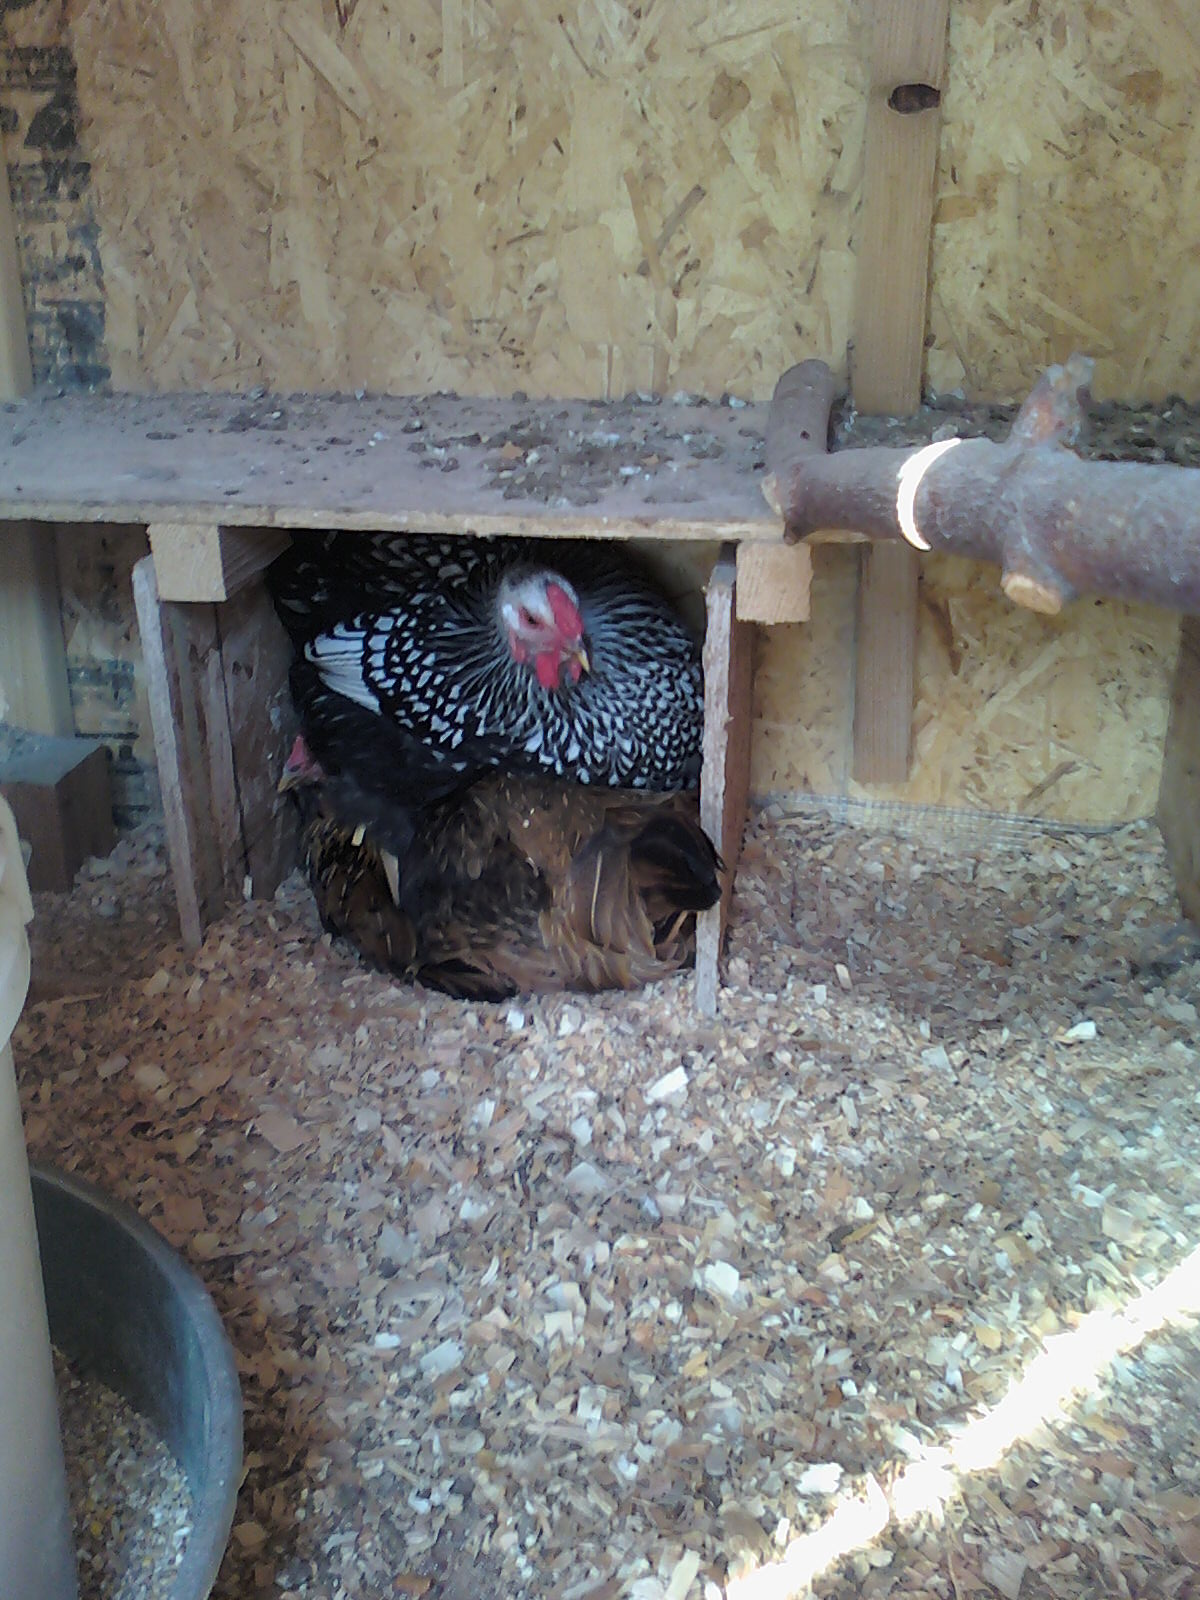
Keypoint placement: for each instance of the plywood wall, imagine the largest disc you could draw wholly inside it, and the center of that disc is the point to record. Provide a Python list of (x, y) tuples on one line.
[(1060, 717), (1068, 211), (599, 195), (594, 196), (583, 198)]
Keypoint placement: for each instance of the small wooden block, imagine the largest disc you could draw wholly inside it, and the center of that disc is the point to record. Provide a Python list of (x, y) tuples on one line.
[(60, 794), (1179, 793), (725, 770), (202, 561), (774, 582)]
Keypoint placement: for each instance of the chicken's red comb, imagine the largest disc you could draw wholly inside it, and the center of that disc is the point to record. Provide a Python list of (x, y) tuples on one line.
[(566, 613)]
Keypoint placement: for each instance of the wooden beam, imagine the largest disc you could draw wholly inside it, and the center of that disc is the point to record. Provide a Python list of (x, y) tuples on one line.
[(204, 561), (772, 584), (1179, 791), (725, 772), (907, 68), (33, 654)]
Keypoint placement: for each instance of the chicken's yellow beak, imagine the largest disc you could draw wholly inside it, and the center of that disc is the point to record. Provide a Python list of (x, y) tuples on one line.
[(579, 653)]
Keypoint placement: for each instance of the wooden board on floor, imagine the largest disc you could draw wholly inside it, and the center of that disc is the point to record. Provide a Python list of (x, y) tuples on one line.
[(629, 469), (725, 773), (908, 48), (1179, 795)]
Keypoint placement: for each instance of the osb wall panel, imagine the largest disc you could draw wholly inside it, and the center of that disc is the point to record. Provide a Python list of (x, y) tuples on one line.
[(1068, 212), (581, 199), (1061, 717)]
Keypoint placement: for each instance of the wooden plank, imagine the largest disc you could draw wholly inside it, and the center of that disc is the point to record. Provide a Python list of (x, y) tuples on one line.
[(908, 47), (33, 654), (725, 772), (16, 373), (251, 677), (435, 463), (34, 692), (223, 723), (205, 562), (1179, 794), (172, 641), (774, 582)]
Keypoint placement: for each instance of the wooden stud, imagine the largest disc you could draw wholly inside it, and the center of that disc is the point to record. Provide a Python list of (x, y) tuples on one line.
[(1179, 792), (202, 561), (725, 772), (34, 692), (774, 582), (33, 655), (908, 60), (16, 372)]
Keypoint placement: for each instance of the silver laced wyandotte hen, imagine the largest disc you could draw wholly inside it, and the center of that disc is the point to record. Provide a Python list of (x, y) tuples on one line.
[(512, 884), (423, 662)]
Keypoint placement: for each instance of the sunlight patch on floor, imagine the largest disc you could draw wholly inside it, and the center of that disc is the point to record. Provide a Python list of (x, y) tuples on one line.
[(1069, 1365)]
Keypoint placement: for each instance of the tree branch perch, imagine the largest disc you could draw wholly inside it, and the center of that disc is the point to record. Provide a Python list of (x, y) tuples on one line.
[(1057, 525)]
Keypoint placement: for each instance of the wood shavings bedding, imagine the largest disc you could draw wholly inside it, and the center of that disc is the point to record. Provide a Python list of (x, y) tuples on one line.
[(597, 1298)]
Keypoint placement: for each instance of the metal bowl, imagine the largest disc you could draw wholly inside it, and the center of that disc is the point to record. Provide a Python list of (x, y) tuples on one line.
[(126, 1308)]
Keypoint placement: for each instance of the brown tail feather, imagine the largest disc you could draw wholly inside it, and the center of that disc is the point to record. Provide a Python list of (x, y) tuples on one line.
[(520, 886)]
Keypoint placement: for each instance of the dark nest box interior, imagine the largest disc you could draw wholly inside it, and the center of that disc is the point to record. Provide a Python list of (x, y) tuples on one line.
[(864, 1260)]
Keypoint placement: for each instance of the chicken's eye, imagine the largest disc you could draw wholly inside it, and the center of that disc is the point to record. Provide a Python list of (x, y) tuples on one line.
[(528, 620)]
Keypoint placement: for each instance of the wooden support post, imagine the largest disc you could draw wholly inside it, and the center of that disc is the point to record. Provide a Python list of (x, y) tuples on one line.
[(773, 585), (33, 654), (179, 752), (202, 561), (1179, 790), (908, 60), (217, 682), (725, 773)]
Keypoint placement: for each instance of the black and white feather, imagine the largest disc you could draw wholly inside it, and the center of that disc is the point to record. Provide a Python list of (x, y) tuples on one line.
[(402, 665)]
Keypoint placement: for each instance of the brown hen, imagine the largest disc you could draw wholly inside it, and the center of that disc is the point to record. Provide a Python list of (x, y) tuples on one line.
[(519, 885)]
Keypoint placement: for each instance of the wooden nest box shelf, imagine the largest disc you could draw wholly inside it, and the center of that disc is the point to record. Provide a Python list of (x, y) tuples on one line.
[(219, 479)]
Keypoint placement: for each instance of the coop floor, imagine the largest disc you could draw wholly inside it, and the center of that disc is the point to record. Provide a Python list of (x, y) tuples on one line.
[(596, 1298)]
